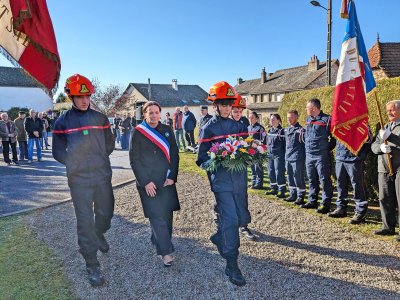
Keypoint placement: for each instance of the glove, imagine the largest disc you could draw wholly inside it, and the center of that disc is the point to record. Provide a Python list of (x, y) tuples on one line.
[(384, 134), (385, 148)]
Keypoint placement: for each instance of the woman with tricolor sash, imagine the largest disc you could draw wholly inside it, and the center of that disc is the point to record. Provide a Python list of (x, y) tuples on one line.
[(154, 160)]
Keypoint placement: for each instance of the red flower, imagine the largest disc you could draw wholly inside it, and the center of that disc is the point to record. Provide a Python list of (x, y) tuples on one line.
[(252, 151)]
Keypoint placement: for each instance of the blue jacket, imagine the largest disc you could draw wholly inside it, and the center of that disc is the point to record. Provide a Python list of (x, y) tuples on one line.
[(276, 141), (257, 131), (344, 154), (295, 149), (189, 121), (217, 130), (318, 138)]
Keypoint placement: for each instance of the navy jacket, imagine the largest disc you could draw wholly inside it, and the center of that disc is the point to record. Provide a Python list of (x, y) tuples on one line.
[(32, 125), (257, 131), (318, 138), (83, 141), (189, 121), (276, 141), (295, 149), (344, 154), (216, 130), (244, 121)]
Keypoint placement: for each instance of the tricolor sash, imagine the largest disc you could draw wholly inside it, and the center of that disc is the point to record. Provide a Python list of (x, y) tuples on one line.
[(157, 138)]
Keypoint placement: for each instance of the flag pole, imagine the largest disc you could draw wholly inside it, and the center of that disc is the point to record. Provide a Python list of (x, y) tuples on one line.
[(381, 122)]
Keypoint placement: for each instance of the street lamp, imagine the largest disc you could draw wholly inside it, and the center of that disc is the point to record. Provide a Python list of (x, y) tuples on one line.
[(328, 46)]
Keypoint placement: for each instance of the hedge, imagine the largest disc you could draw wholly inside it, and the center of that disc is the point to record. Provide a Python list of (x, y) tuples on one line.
[(387, 90)]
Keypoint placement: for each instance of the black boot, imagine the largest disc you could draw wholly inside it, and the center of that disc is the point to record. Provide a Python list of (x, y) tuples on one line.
[(281, 195), (291, 198), (233, 272), (338, 213), (271, 192), (299, 201), (103, 245), (94, 275)]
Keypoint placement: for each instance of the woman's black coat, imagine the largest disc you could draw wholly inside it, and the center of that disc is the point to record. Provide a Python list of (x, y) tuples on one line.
[(149, 164)]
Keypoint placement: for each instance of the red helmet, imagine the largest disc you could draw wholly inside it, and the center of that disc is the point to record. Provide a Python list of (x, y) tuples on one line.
[(220, 91), (239, 102), (78, 85)]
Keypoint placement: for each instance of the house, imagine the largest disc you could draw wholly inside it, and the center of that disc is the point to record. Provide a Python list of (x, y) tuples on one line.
[(169, 96), (265, 94), (17, 89), (384, 59)]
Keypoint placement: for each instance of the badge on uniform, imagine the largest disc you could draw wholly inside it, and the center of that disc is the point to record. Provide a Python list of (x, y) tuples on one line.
[(85, 132), (167, 134)]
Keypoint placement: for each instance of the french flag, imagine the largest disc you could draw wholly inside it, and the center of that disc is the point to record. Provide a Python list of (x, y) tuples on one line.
[(27, 39), (354, 80)]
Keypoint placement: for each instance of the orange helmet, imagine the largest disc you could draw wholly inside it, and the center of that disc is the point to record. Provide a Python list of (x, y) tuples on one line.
[(239, 102), (221, 91), (78, 85)]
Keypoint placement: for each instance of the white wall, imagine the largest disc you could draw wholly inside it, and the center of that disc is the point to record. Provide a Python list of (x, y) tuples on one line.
[(28, 97)]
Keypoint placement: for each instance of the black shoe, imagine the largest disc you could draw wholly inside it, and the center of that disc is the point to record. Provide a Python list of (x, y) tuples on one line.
[(357, 219), (292, 198), (233, 272), (338, 213), (309, 205), (256, 187), (271, 192), (323, 209), (247, 233), (299, 201), (94, 275), (103, 245), (281, 195), (384, 231)]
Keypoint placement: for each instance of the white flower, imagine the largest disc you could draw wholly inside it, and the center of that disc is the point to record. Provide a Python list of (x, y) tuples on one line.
[(233, 156), (212, 155)]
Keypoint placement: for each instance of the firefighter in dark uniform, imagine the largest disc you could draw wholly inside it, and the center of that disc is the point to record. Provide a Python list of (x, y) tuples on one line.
[(258, 132), (295, 156), (83, 141), (276, 146), (237, 110), (388, 142), (319, 142), (351, 167), (229, 187)]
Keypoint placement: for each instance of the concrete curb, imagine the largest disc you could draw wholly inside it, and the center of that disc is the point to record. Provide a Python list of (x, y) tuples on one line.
[(27, 210)]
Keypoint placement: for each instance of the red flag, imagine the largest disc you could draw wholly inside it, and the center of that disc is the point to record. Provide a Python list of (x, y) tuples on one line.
[(27, 36), (344, 12), (350, 112)]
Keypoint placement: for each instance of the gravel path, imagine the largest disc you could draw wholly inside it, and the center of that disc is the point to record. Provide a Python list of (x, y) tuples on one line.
[(297, 256)]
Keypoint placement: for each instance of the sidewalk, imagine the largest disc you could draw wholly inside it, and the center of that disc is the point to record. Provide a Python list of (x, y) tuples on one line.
[(30, 186)]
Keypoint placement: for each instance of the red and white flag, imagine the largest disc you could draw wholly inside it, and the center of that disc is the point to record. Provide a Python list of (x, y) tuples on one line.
[(27, 36)]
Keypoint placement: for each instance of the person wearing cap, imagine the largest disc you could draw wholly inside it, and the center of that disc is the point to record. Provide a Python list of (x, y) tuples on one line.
[(21, 137), (83, 141), (228, 187), (205, 116)]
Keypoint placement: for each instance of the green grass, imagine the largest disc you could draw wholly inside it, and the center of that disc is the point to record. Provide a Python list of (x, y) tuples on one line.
[(373, 221), (28, 269)]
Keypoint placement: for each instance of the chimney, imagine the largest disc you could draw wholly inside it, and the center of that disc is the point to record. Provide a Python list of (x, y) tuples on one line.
[(263, 76), (175, 84), (149, 88), (240, 80), (313, 64)]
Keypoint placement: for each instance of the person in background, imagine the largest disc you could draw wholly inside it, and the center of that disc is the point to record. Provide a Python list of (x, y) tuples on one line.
[(21, 138), (276, 145), (48, 130), (178, 129), (204, 116), (34, 128), (168, 120), (44, 140), (154, 159), (8, 134), (83, 142), (295, 156), (258, 132), (189, 124), (126, 128), (388, 142), (117, 122)]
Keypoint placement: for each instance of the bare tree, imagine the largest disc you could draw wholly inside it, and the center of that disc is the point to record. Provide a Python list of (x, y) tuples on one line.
[(109, 99)]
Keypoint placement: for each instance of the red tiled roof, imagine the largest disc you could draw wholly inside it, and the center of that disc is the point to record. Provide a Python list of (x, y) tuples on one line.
[(385, 56)]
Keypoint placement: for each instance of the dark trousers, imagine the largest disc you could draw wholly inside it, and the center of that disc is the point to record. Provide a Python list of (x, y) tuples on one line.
[(276, 173), (295, 175), (161, 233), (353, 172), (23, 149), (6, 151), (257, 175), (232, 212), (125, 140), (389, 196), (92, 223), (189, 136), (319, 171)]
